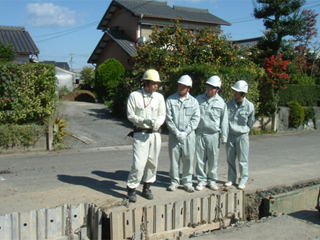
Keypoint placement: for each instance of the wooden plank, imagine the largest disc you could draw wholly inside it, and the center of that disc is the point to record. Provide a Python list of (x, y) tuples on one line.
[(6, 227), (178, 214), (160, 218), (168, 216)]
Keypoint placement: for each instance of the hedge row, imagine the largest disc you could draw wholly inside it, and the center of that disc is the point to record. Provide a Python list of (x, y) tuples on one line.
[(27, 93), (306, 95)]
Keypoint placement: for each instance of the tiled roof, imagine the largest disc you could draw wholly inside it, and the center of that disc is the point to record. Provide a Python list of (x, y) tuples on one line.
[(247, 43), (63, 65), (127, 44), (19, 38), (158, 9)]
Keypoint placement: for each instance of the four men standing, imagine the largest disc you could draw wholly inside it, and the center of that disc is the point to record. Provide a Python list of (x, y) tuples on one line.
[(196, 127)]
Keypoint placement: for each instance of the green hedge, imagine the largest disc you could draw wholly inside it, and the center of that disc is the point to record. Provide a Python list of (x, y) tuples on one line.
[(27, 93), (306, 95)]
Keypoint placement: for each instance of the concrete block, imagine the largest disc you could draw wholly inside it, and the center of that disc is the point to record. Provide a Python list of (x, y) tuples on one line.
[(284, 113), (317, 118)]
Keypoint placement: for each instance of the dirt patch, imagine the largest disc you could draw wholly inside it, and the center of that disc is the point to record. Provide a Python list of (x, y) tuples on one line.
[(253, 201)]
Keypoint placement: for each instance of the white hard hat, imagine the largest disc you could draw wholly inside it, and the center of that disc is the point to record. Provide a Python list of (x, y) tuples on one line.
[(185, 80), (214, 81), (151, 75), (240, 86)]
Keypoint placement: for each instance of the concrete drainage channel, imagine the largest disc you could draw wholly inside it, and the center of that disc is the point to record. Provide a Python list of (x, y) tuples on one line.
[(172, 220)]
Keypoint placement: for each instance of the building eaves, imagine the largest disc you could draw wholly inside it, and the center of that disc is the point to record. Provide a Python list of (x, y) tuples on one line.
[(158, 9), (127, 44), (19, 38)]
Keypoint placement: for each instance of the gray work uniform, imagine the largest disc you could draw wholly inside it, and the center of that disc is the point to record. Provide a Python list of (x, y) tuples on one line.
[(182, 116), (146, 145), (241, 120), (213, 122)]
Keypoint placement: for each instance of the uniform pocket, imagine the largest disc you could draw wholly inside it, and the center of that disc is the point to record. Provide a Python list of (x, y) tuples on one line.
[(243, 118)]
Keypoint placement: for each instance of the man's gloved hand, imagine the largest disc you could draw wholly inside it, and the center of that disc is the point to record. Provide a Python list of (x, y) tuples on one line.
[(149, 122), (178, 135), (183, 136)]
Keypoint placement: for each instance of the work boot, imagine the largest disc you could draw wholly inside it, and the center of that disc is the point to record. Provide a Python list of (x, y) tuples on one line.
[(132, 196), (146, 192)]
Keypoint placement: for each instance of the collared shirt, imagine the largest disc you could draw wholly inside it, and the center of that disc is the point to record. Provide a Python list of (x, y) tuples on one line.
[(146, 106), (213, 115), (182, 116), (241, 118)]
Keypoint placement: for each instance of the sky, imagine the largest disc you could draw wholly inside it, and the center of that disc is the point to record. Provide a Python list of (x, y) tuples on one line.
[(66, 31)]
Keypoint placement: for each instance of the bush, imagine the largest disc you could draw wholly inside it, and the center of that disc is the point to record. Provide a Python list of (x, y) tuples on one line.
[(308, 96), (24, 135), (27, 93), (297, 114), (302, 79), (309, 114), (108, 77)]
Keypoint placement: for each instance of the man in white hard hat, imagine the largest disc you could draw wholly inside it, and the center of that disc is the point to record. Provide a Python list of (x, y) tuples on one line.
[(182, 119), (146, 110), (213, 125), (241, 119)]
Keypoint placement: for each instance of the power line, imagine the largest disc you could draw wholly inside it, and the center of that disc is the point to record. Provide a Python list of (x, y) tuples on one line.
[(89, 25), (68, 32)]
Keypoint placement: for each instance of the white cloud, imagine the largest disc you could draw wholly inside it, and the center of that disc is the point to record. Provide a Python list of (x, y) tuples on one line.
[(49, 15)]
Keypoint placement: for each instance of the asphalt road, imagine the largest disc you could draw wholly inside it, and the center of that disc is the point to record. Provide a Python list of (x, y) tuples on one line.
[(97, 172)]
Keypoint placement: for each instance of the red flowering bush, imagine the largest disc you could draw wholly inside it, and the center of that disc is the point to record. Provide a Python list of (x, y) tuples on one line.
[(276, 69)]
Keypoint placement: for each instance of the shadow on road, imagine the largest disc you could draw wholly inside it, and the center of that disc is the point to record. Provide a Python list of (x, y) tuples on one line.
[(312, 216), (107, 187)]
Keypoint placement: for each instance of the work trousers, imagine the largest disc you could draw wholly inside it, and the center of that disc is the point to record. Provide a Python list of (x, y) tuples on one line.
[(238, 147), (146, 150), (183, 151), (207, 152)]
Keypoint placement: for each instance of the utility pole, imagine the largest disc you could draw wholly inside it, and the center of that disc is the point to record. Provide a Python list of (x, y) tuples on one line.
[(71, 61)]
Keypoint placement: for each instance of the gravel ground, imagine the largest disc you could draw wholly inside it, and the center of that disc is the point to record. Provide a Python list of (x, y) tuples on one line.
[(94, 122)]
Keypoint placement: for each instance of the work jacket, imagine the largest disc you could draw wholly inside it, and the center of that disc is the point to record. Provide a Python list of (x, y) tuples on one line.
[(241, 119), (182, 116), (145, 106), (213, 116)]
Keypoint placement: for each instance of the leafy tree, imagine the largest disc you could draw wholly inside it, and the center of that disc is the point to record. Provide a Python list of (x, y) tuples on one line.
[(108, 77), (87, 75), (175, 47), (6, 52), (281, 18)]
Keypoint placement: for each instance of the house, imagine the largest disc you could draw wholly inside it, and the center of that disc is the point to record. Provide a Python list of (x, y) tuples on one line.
[(66, 79), (24, 47), (127, 22)]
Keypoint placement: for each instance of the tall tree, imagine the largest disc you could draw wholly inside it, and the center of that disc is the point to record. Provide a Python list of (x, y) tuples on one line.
[(309, 32), (281, 18)]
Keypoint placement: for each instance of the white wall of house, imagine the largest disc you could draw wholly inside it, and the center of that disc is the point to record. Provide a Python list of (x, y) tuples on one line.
[(65, 78)]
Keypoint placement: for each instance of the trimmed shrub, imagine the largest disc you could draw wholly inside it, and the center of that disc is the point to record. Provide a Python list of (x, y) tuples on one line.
[(297, 114), (28, 93), (306, 95)]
